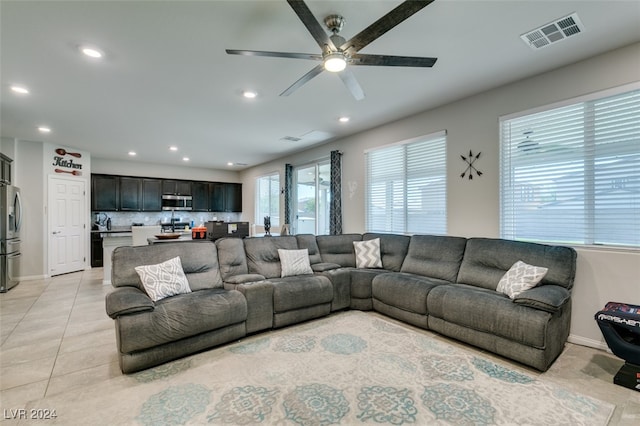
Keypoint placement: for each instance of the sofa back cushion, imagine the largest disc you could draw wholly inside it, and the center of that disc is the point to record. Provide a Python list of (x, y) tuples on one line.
[(308, 241), (199, 263), (393, 249), (262, 254), (487, 259), (434, 256), (231, 257), (338, 248)]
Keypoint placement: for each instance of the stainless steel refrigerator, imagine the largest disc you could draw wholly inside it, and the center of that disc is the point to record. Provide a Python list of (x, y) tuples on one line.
[(11, 215)]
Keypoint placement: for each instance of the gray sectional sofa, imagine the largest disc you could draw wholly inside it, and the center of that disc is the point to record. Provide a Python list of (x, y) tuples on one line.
[(440, 283)]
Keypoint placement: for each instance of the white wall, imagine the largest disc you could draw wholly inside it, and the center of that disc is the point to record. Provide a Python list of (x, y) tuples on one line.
[(132, 168), (473, 206)]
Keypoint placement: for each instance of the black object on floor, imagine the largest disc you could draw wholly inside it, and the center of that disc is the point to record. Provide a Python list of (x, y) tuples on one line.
[(620, 326)]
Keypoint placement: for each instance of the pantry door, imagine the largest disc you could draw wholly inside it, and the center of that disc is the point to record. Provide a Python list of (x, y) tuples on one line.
[(67, 225)]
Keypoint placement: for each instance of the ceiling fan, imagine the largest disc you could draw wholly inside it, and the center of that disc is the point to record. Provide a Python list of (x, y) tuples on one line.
[(339, 54)]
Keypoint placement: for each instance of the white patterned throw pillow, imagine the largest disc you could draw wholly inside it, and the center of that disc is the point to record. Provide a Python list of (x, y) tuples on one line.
[(368, 253), (294, 262), (519, 278), (164, 279)]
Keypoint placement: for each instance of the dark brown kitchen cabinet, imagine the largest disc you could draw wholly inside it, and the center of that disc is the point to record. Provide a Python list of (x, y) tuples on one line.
[(130, 194), (176, 187), (5, 169), (225, 197), (105, 193), (151, 195), (200, 194)]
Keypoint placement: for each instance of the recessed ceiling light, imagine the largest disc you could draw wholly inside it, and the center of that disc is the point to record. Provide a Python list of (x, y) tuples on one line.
[(91, 52), (344, 119), (44, 129), (173, 148), (132, 153), (229, 163), (185, 158), (20, 89), (249, 94)]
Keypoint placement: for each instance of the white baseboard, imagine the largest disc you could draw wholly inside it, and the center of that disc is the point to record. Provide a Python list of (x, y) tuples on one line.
[(583, 341), (33, 277)]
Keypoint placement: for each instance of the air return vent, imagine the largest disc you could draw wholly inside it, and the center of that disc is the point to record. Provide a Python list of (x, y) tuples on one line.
[(553, 32), (291, 139)]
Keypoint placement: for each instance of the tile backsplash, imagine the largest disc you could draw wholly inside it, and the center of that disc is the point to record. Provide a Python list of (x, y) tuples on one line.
[(155, 218)]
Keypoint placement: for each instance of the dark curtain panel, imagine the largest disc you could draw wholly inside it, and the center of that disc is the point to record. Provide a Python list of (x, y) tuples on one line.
[(335, 208), (288, 191)]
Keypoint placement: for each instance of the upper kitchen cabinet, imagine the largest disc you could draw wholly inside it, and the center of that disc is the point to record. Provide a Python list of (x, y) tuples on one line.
[(130, 193), (200, 193), (176, 187), (151, 195), (105, 194), (225, 197), (5, 169)]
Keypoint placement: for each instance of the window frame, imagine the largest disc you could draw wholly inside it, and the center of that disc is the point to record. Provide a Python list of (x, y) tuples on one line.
[(408, 174), (587, 237), (259, 215)]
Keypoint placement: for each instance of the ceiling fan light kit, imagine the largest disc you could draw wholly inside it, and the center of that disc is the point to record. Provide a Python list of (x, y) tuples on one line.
[(337, 52), (335, 62)]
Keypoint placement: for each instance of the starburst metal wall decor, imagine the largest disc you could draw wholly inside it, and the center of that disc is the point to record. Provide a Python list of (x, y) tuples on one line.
[(470, 167)]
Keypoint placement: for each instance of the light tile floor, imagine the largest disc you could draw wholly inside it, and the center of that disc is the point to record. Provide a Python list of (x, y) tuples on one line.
[(56, 337)]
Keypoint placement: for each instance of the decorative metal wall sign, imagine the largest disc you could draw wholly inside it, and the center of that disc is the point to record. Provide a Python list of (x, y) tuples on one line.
[(470, 167)]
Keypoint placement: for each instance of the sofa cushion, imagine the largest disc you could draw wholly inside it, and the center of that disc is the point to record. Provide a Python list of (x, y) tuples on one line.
[(300, 292), (486, 260), (520, 277), (338, 248), (181, 316), (262, 254), (308, 241), (434, 256), (232, 258), (488, 311), (404, 291), (393, 249), (294, 262), (163, 279), (368, 253), (199, 263)]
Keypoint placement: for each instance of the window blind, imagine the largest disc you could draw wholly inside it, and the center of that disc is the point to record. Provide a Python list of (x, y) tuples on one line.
[(268, 199), (406, 187), (572, 174)]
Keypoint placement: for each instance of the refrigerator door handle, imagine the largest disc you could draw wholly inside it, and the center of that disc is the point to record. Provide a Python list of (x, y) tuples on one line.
[(18, 209)]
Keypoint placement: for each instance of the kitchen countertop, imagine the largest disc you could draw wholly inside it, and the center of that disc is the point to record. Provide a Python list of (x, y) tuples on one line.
[(113, 230)]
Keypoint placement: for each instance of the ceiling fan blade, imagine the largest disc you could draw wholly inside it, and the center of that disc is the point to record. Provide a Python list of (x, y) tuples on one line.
[(314, 57), (392, 61), (352, 84), (405, 10), (312, 24), (302, 80)]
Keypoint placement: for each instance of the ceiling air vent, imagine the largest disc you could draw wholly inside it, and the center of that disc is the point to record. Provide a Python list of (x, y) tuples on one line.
[(553, 32), (291, 139)]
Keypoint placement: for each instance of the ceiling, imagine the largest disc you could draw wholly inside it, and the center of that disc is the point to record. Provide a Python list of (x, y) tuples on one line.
[(165, 78)]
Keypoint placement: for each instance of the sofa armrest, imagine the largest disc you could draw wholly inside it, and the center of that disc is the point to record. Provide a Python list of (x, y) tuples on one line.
[(127, 300), (549, 298), (324, 266), (244, 278)]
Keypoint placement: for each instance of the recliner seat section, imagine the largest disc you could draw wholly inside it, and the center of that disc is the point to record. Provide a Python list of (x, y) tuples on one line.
[(442, 283), (150, 333)]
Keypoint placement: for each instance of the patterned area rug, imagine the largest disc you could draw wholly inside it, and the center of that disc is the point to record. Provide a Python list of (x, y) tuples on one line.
[(350, 368)]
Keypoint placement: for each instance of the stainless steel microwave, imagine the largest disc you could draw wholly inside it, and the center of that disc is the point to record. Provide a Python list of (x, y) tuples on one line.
[(177, 202)]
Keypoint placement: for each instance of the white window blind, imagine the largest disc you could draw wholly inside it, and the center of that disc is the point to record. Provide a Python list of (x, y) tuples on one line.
[(406, 187), (572, 174), (268, 199)]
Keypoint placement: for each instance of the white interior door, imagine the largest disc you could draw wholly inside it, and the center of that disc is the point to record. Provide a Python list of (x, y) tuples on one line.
[(67, 228)]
